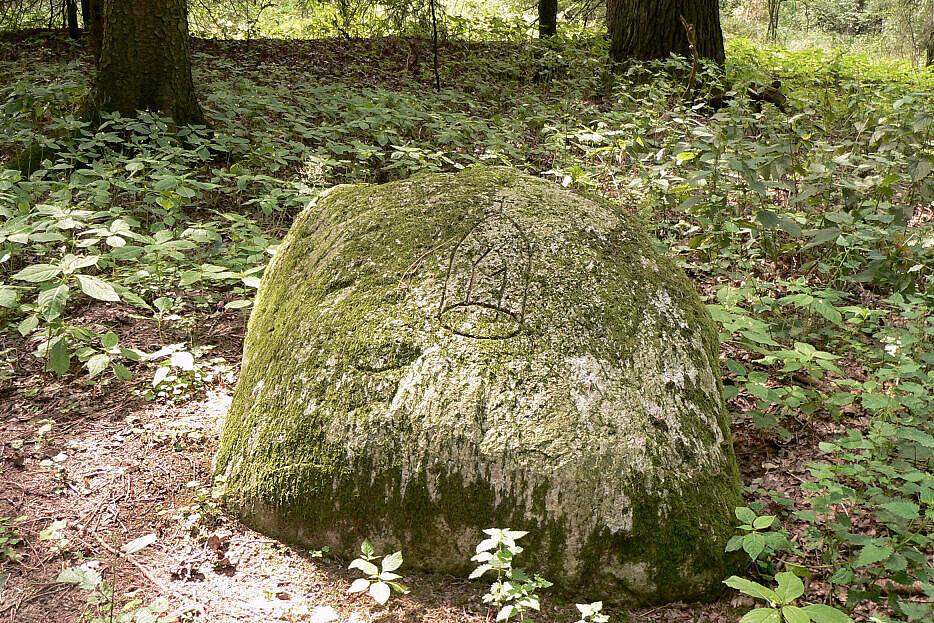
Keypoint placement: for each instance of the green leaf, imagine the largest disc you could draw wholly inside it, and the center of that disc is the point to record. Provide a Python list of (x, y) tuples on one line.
[(38, 273), (790, 587), (28, 325), (794, 614), (821, 613), (828, 311), (359, 585), (768, 218), (365, 566), (70, 263), (922, 169), (86, 579), (745, 514), (380, 591), (875, 402), (392, 561), (753, 544), (917, 436), (97, 364), (52, 301), (159, 605), (905, 510), (143, 615), (790, 227), (734, 543), (59, 358), (762, 615), (132, 355), (121, 372), (97, 288), (753, 589), (823, 236), (872, 553), (7, 296), (109, 340), (189, 277), (764, 521), (479, 571)]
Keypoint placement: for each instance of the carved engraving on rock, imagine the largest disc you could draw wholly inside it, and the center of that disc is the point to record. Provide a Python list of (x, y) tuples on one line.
[(488, 276)]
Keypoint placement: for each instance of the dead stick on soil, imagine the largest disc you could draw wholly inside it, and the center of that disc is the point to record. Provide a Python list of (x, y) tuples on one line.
[(188, 601), (692, 44)]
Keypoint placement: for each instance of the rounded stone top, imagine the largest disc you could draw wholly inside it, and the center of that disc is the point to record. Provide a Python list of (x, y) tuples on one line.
[(454, 352)]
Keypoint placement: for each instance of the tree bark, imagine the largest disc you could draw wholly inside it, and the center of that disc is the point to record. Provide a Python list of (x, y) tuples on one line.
[(775, 7), (71, 11), (650, 29), (929, 48), (92, 14), (145, 61), (547, 18)]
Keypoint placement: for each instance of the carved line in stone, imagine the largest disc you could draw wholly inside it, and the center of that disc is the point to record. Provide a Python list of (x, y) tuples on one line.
[(517, 316)]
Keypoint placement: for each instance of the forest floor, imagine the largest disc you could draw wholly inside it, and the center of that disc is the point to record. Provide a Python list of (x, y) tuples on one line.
[(123, 467), (95, 466)]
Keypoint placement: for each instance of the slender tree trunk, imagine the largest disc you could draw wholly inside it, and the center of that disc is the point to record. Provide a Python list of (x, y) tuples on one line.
[(92, 13), (71, 10), (547, 18), (610, 13), (774, 10), (650, 29), (145, 61), (930, 43)]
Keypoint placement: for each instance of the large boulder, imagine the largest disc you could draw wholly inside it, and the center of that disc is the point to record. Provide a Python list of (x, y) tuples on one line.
[(454, 352)]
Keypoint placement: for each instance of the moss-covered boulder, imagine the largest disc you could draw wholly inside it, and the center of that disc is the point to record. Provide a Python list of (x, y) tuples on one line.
[(454, 352)]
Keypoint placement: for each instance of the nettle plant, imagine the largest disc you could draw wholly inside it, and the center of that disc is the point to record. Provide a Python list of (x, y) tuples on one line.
[(10, 539), (513, 592), (757, 539), (381, 578), (592, 613), (781, 607)]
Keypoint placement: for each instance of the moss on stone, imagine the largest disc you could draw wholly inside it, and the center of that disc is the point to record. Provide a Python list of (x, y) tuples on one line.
[(584, 404)]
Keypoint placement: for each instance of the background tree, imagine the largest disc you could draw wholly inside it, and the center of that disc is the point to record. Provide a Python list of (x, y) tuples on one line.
[(775, 7), (929, 45), (145, 61), (547, 18), (71, 12), (91, 15), (650, 29)]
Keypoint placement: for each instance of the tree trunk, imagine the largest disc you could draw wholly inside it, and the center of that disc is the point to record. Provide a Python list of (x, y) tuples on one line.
[(650, 29), (71, 10), (92, 12), (930, 43), (775, 7), (547, 18), (145, 61)]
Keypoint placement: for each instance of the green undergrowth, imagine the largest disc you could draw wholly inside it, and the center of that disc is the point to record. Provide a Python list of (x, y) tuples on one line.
[(810, 232)]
